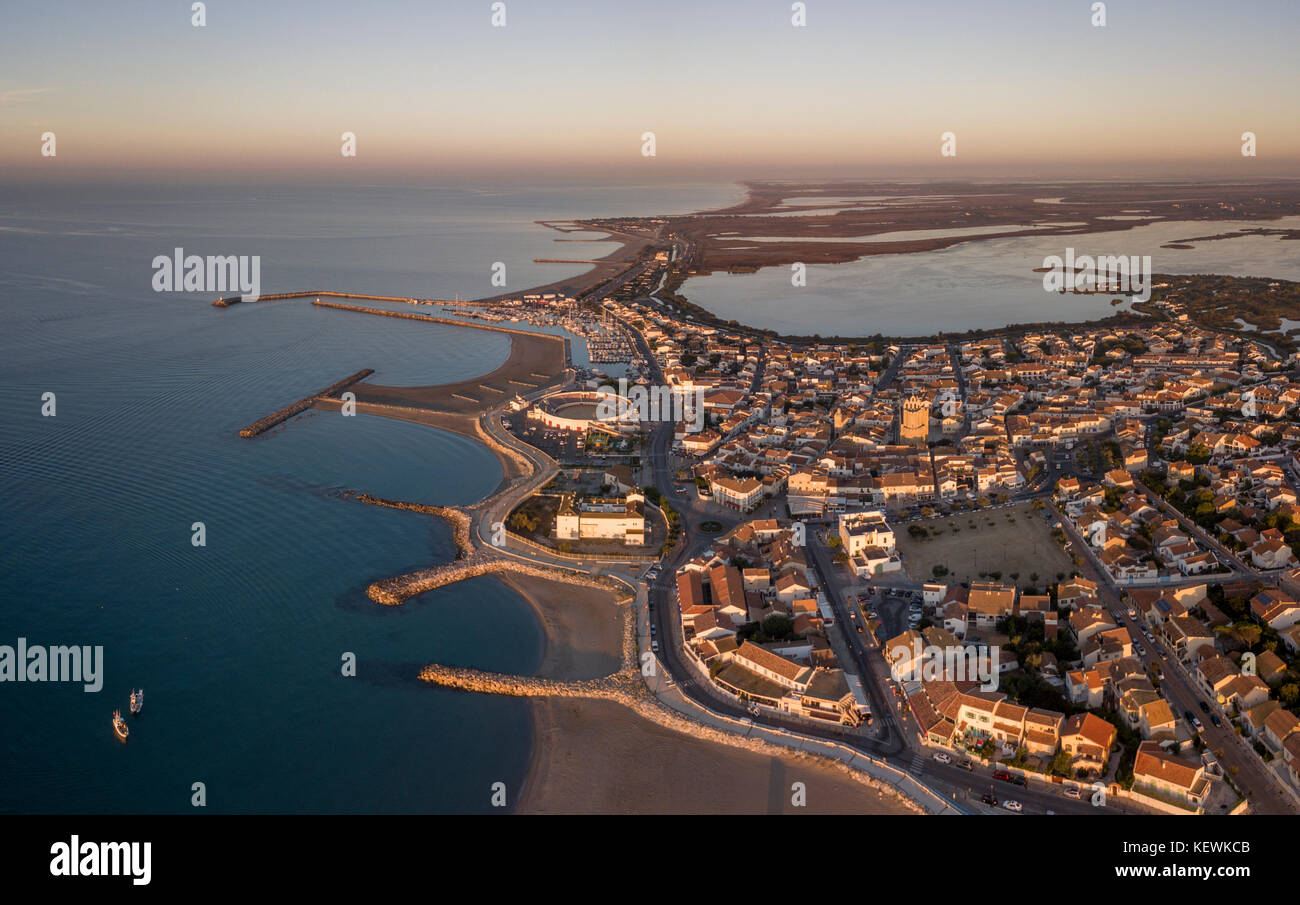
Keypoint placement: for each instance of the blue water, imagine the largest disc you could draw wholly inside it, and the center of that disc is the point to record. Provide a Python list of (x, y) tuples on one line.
[(239, 643)]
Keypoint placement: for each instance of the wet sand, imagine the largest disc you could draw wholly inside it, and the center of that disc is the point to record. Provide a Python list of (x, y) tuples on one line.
[(583, 626), (598, 757)]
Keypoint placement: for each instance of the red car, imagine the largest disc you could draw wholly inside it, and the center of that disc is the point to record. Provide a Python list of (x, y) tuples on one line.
[(1002, 775)]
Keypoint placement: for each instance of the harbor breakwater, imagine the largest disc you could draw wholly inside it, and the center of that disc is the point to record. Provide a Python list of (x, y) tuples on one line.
[(303, 404), (397, 590), (227, 301), (460, 521), (431, 318)]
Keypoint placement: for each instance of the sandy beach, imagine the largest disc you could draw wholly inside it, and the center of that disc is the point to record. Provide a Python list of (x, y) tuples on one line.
[(599, 757), (583, 626)]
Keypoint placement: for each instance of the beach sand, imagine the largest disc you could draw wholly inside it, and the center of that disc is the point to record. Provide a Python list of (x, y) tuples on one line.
[(583, 626), (599, 757)]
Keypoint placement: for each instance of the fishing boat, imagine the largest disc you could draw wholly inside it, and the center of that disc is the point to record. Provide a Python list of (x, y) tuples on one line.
[(137, 701), (119, 726)]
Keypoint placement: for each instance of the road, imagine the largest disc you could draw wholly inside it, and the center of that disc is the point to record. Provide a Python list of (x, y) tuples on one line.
[(1251, 776)]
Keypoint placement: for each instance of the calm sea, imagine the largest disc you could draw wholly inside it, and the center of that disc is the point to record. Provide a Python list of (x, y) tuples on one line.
[(239, 643)]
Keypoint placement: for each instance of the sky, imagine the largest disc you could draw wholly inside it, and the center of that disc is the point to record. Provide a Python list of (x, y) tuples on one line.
[(567, 88)]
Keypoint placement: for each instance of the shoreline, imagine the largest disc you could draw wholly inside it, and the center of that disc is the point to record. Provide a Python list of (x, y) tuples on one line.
[(602, 757), (547, 600)]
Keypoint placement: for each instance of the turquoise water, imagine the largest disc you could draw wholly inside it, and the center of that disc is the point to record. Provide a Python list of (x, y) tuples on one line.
[(239, 643)]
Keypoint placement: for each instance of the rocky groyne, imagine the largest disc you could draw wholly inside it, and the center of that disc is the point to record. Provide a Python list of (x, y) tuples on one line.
[(460, 521), (626, 688), (397, 590), (284, 414)]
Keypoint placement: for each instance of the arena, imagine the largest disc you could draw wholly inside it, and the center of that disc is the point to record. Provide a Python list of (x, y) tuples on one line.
[(577, 411)]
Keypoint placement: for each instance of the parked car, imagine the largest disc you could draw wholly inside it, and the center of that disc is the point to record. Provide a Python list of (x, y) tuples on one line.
[(1002, 775), (1013, 806), (1196, 723), (1073, 792), (967, 765), (1205, 708), (990, 799), (1215, 720), (1140, 650), (942, 758)]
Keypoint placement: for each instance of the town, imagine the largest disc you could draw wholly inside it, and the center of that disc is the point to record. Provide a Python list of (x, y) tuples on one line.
[(1039, 571)]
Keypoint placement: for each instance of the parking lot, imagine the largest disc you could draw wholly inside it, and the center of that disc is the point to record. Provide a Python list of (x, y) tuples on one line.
[(1011, 543), (896, 611)]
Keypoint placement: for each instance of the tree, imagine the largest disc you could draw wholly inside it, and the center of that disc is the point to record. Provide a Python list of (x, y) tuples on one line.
[(778, 626), (1061, 765)]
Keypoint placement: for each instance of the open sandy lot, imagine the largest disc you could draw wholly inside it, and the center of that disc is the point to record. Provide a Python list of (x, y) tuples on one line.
[(1022, 547)]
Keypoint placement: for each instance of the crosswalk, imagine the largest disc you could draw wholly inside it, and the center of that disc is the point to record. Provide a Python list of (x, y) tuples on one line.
[(918, 765)]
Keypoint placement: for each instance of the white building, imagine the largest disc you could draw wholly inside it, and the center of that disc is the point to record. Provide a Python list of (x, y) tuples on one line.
[(620, 519)]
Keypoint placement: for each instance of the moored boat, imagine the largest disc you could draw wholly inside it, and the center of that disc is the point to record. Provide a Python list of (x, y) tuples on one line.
[(119, 726), (137, 701)]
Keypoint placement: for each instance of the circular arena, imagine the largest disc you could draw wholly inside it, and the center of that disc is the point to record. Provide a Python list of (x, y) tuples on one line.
[(579, 411)]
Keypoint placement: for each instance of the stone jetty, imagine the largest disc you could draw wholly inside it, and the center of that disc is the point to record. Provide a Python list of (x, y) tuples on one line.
[(459, 520), (397, 590), (384, 312), (303, 404), (227, 301), (625, 687)]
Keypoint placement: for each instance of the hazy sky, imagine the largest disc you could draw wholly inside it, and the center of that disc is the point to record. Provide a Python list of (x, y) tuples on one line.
[(729, 88)]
